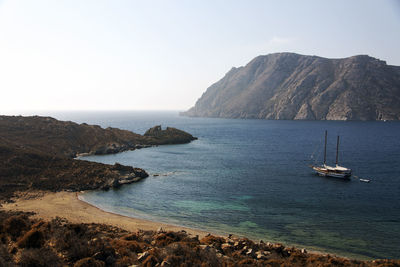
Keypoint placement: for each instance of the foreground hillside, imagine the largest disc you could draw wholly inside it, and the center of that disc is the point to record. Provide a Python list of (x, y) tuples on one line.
[(290, 86), (30, 242)]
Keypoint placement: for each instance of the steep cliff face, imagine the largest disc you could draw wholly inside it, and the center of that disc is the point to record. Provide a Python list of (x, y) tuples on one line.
[(290, 86)]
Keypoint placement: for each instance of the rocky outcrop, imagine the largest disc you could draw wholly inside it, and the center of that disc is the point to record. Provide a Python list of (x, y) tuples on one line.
[(128, 175), (22, 170), (168, 136), (290, 86)]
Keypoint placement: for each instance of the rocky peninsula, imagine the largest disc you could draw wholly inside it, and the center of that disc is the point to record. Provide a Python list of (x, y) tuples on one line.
[(38, 153), (43, 223)]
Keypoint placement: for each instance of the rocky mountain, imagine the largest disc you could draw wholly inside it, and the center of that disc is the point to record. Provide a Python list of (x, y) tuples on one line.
[(291, 86)]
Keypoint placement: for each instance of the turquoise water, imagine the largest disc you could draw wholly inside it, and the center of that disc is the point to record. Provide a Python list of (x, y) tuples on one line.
[(251, 177)]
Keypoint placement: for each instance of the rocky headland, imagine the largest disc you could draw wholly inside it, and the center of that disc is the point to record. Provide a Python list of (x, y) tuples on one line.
[(37, 153), (288, 86), (69, 139)]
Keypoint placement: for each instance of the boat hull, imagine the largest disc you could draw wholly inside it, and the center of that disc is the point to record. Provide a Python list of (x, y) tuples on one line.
[(322, 171)]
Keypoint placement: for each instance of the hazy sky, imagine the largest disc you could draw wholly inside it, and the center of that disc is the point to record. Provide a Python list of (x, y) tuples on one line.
[(158, 55)]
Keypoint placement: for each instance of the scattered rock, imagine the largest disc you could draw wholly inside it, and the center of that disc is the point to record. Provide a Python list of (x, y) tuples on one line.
[(165, 264), (143, 255), (250, 252)]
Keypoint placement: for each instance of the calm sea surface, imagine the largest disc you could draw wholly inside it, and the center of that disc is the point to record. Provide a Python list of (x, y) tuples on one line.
[(251, 177)]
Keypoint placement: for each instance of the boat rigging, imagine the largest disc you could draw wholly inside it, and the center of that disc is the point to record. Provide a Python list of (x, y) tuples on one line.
[(337, 171)]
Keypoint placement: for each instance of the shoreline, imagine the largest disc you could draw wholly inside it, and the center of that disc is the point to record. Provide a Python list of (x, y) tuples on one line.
[(310, 249), (49, 205), (194, 231), (69, 205)]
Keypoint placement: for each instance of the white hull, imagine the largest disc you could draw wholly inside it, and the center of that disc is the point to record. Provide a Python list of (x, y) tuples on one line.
[(331, 172), (337, 171)]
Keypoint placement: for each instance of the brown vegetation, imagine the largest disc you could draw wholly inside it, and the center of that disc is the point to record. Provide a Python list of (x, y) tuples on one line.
[(60, 243), (21, 170)]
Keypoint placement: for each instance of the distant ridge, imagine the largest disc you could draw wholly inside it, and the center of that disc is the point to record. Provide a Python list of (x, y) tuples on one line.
[(288, 86)]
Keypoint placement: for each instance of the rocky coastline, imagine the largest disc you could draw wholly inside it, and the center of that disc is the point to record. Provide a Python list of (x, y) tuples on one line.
[(39, 153)]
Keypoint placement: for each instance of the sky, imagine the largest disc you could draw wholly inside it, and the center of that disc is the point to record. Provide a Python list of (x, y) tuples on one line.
[(163, 55)]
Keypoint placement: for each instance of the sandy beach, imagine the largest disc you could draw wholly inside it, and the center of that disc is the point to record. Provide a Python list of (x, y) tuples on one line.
[(67, 205)]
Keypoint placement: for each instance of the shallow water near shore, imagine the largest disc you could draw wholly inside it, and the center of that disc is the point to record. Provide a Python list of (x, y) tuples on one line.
[(251, 177)]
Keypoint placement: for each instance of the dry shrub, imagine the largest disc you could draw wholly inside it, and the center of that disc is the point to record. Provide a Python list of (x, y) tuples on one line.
[(174, 260), (42, 257), (124, 247), (338, 262), (79, 229), (72, 241), (296, 257), (125, 261), (207, 256), (182, 254), (4, 255), (32, 239), (89, 262), (15, 225), (150, 261), (165, 239), (133, 236), (41, 225), (3, 238), (75, 247), (273, 262), (386, 263), (105, 254), (237, 254), (208, 240)]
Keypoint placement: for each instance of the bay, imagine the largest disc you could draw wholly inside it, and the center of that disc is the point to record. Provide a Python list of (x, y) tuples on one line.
[(251, 177)]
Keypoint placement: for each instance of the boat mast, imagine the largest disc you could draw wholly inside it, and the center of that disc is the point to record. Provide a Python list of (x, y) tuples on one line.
[(326, 136), (337, 150)]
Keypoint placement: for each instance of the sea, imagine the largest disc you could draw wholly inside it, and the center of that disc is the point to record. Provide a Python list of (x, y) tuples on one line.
[(252, 178)]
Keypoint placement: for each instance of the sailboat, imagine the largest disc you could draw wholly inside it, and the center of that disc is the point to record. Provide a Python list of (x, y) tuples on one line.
[(337, 171)]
